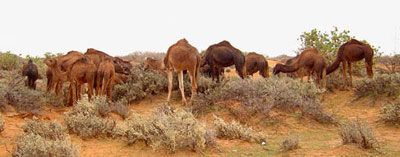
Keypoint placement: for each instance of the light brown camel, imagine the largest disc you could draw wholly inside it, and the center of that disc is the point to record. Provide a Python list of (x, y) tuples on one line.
[(153, 64), (309, 59), (82, 71), (58, 77), (352, 51), (105, 74), (182, 56), (299, 73), (256, 63), (223, 54), (31, 71)]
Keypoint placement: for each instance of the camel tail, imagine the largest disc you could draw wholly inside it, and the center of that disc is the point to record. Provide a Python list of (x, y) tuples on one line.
[(266, 70)]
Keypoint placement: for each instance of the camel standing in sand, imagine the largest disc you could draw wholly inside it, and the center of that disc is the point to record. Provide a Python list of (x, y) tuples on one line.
[(309, 59), (222, 55), (31, 71), (352, 51), (105, 74), (182, 56), (256, 63)]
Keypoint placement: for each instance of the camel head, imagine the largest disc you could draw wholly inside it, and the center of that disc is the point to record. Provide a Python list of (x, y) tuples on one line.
[(120, 68), (50, 62), (277, 68)]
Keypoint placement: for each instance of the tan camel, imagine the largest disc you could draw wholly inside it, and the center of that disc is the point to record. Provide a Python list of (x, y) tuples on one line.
[(58, 77), (105, 74), (299, 73), (82, 71), (182, 56), (352, 51), (256, 62), (309, 59)]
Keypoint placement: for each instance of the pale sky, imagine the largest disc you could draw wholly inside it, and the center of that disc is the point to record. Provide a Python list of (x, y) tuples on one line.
[(120, 27)]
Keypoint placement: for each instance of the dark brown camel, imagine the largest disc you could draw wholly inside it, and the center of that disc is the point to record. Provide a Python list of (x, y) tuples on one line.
[(105, 74), (50, 82), (82, 71), (309, 59), (207, 71), (222, 55), (256, 63), (30, 70), (352, 51), (182, 56)]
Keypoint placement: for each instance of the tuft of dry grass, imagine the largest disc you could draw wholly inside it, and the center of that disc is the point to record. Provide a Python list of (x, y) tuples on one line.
[(358, 132), (49, 130), (290, 143), (390, 113)]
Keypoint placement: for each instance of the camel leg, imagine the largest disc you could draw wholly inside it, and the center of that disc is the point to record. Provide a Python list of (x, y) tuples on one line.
[(318, 78), (350, 74), (181, 86), (309, 75), (90, 89), (368, 65), (110, 87), (193, 81), (217, 73), (98, 84), (324, 78), (74, 90), (344, 73), (170, 78)]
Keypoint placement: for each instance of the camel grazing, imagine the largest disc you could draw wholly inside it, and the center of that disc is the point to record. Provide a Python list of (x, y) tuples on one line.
[(301, 72), (352, 51), (207, 71), (157, 65), (182, 56), (105, 74), (30, 70), (120, 78), (256, 62), (223, 54), (309, 59), (97, 57), (82, 71)]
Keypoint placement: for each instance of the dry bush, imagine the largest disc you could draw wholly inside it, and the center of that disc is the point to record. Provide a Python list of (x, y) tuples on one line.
[(236, 131), (45, 139), (49, 130), (2, 123), (140, 84), (85, 120), (139, 57), (169, 128), (9, 61), (14, 92), (262, 95), (390, 113), (290, 143), (357, 131), (36, 145), (391, 63), (380, 86), (121, 107), (335, 81)]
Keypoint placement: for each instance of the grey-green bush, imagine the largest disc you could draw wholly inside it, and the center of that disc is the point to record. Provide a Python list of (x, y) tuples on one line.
[(383, 85), (49, 130), (14, 92), (290, 143), (358, 132), (390, 113), (169, 128), (236, 131)]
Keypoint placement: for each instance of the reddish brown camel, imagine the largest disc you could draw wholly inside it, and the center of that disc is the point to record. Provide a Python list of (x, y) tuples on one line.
[(105, 74), (309, 59), (157, 65), (352, 51), (256, 63), (222, 55), (82, 71), (31, 71), (120, 78), (301, 72), (182, 56)]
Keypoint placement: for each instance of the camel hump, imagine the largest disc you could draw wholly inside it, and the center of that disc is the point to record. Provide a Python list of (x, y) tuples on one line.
[(354, 41), (224, 43), (182, 41)]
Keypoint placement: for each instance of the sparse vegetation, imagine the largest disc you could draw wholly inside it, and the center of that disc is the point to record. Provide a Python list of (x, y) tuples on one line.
[(356, 131), (169, 128), (9, 61), (2, 123), (13, 92), (290, 143), (45, 139), (380, 86), (236, 131), (390, 113)]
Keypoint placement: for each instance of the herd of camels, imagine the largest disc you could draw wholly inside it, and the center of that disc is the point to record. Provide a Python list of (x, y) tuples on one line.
[(102, 71)]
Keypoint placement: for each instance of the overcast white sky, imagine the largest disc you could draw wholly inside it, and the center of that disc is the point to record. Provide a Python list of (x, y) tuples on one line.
[(121, 27)]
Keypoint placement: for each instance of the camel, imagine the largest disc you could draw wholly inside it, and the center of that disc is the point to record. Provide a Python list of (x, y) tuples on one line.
[(31, 71), (352, 51), (120, 78), (182, 56), (256, 62), (105, 74), (309, 59), (157, 65), (207, 71), (50, 82), (82, 71), (300, 72), (223, 54)]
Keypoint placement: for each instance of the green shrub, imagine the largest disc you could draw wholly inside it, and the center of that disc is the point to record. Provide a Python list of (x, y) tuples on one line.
[(381, 85), (290, 143), (9, 61), (85, 120), (36, 145), (262, 95), (390, 113), (236, 131), (49, 130), (2, 123), (169, 128), (357, 131), (14, 92)]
